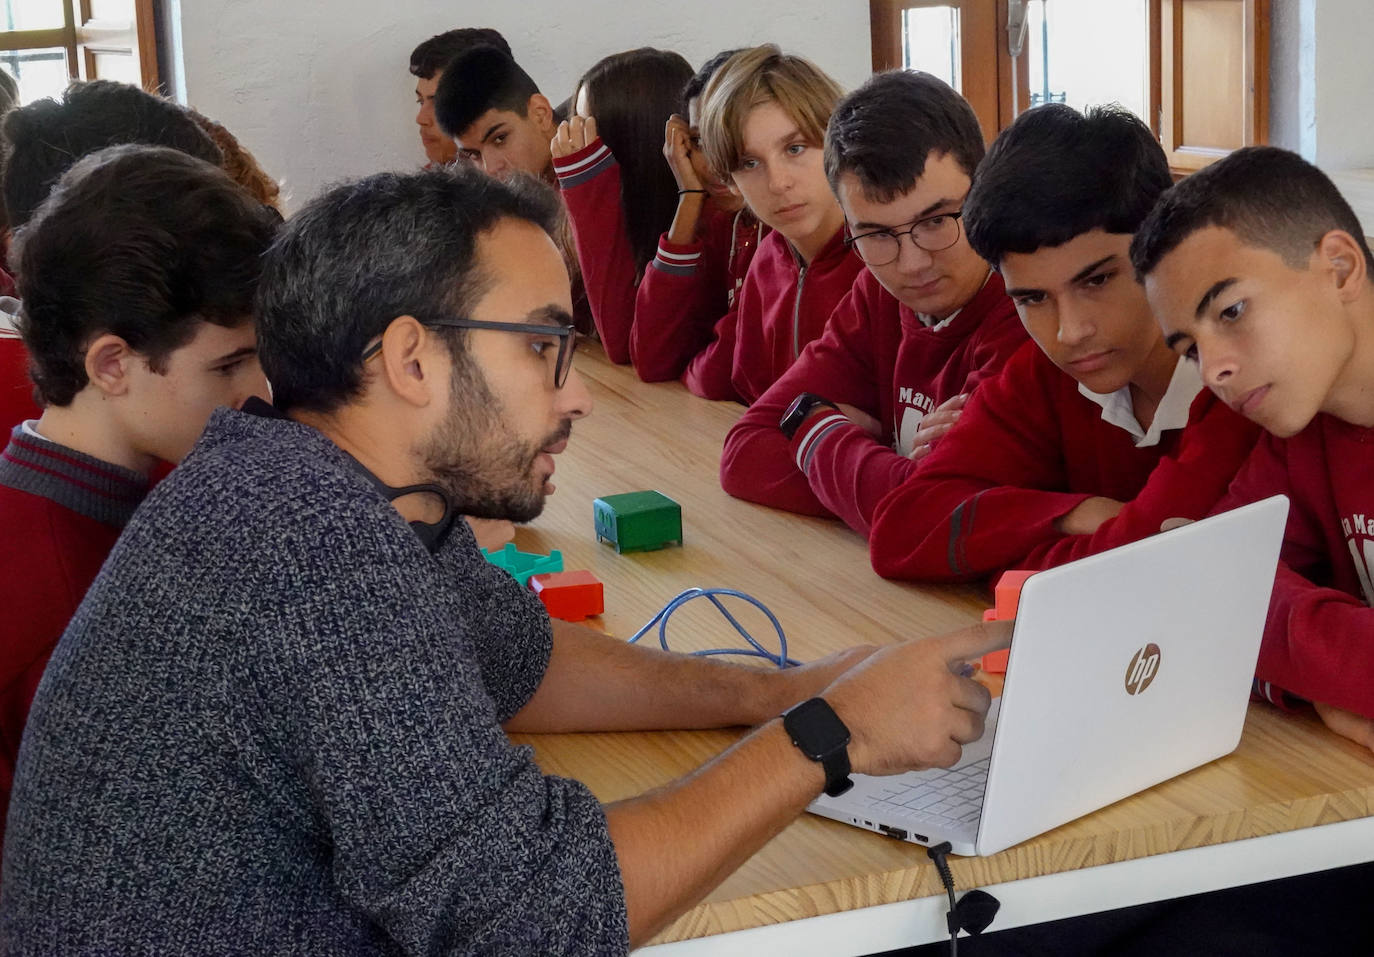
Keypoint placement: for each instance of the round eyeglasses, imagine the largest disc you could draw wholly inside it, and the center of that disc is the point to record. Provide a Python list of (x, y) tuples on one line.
[(883, 246)]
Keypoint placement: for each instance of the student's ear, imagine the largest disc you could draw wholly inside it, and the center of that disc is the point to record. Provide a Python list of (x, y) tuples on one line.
[(1342, 256), (408, 361), (109, 361), (541, 111)]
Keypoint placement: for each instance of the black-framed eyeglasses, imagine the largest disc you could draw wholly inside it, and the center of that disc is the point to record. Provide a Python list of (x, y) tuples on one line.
[(567, 339), (883, 246)]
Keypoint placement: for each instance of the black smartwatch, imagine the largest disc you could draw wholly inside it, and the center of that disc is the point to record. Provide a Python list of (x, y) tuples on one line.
[(799, 409), (814, 727)]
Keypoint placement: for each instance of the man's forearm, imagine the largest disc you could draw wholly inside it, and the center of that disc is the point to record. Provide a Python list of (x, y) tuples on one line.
[(597, 683), (709, 823)]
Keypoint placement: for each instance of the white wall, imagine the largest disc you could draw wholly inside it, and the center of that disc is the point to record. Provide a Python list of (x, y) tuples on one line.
[(1341, 82), (319, 90), (1290, 50), (1321, 72)]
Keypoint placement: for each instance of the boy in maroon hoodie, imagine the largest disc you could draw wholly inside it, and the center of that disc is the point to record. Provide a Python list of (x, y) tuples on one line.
[(763, 127), (924, 323), (1258, 269), (138, 276), (1095, 434)]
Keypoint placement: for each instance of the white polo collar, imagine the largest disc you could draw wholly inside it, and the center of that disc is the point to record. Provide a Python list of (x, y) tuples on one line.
[(1119, 410)]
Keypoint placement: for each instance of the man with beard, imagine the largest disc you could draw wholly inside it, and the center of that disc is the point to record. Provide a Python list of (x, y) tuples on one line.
[(280, 717)]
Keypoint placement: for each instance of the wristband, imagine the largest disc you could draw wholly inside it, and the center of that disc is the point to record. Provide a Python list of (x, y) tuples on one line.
[(684, 192)]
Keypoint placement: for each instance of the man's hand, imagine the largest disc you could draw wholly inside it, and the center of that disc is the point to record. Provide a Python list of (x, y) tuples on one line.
[(1087, 515), (1354, 726), (936, 424), (905, 706), (677, 150), (808, 680), (859, 417), (909, 707), (491, 533), (573, 135)]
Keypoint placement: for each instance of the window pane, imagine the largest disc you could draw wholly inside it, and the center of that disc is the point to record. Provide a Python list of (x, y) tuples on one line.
[(930, 42), (117, 66), (112, 9), (1087, 53), (40, 72), (30, 14)]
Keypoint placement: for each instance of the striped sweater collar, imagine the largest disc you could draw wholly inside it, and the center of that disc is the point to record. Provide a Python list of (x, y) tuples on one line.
[(88, 486)]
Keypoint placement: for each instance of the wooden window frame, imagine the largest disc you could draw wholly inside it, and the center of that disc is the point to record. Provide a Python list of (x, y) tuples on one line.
[(84, 37), (987, 91), (998, 87), (1167, 82)]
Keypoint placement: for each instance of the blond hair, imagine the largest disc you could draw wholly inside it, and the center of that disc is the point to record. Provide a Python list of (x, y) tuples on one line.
[(750, 78)]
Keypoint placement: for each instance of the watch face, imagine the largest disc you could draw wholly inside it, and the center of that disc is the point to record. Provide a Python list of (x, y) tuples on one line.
[(797, 412), (816, 729)]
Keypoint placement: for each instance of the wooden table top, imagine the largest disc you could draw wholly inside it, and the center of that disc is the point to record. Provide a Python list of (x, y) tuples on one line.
[(1289, 771)]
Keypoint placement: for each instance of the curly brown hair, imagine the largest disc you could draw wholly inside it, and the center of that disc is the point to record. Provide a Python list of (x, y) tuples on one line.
[(240, 164)]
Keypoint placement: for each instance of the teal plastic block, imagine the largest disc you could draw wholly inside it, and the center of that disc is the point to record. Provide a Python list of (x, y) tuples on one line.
[(523, 565), (637, 521)]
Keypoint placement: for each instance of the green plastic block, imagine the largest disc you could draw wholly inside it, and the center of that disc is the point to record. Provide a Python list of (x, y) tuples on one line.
[(524, 565), (637, 521)]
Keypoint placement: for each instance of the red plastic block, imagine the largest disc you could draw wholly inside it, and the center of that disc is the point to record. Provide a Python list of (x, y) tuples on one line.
[(570, 596), (1006, 598)]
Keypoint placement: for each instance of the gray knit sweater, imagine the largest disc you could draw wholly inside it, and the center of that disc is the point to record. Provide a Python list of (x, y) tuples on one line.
[(273, 727)]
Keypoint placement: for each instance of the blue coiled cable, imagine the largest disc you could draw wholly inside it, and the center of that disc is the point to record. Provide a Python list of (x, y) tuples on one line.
[(755, 650)]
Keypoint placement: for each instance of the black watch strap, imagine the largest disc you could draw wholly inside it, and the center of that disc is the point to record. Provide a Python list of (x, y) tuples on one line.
[(817, 730), (797, 411), (837, 779)]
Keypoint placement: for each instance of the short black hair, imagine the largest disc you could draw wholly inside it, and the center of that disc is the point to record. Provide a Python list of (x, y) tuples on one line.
[(143, 242), (434, 54), (697, 84), (1056, 173), (365, 252), (482, 79), (44, 139), (883, 132), (1270, 198)]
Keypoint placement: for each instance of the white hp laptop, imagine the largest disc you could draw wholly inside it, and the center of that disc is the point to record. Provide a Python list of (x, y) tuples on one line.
[(1126, 669)]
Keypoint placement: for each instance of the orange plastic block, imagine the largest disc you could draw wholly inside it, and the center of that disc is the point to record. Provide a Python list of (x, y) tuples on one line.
[(1006, 598), (570, 596)]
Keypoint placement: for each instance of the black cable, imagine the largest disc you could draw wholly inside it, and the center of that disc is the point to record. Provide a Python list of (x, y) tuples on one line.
[(937, 854), (973, 912)]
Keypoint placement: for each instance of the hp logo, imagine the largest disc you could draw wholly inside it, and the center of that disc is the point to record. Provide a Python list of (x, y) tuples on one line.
[(1142, 669)]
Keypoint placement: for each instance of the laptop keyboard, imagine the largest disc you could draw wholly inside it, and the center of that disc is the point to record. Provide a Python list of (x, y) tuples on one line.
[(954, 796)]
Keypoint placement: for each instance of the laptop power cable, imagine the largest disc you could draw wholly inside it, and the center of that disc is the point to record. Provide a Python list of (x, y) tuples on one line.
[(973, 912)]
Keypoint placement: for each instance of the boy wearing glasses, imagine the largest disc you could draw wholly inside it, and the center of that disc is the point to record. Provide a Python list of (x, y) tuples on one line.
[(1094, 435), (922, 326)]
